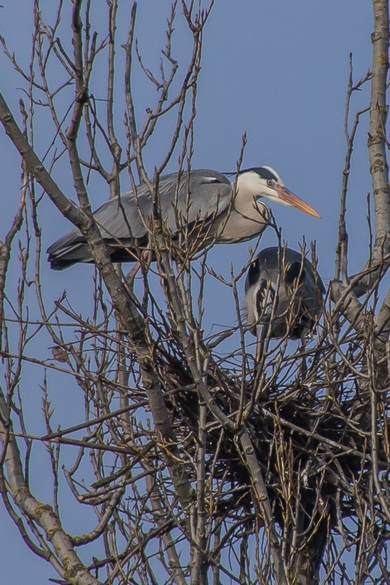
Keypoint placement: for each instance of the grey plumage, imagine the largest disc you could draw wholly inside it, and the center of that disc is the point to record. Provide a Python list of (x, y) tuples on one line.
[(202, 201), (283, 295)]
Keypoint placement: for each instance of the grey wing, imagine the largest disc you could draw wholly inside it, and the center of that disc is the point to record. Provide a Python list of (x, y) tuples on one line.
[(118, 218), (122, 217), (311, 289), (315, 290), (198, 197), (202, 196), (269, 260)]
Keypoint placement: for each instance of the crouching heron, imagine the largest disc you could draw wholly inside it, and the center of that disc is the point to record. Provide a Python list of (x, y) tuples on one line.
[(283, 296), (203, 202)]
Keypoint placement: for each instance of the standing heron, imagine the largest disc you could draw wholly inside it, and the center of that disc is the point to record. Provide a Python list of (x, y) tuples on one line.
[(283, 296), (202, 203)]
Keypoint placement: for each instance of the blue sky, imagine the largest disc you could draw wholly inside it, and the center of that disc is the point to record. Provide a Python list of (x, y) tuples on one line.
[(275, 70)]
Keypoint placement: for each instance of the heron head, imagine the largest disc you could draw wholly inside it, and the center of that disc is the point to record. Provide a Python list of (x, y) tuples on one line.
[(265, 183)]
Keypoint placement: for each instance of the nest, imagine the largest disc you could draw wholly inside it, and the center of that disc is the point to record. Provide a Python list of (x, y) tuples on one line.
[(309, 434)]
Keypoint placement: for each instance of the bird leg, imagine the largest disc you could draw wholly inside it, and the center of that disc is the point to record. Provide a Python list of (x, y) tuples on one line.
[(261, 332), (303, 363), (133, 273)]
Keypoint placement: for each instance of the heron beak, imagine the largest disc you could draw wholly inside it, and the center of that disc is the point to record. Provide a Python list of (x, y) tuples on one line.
[(285, 196)]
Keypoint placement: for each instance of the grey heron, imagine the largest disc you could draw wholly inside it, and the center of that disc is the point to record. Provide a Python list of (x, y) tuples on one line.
[(283, 295), (203, 202)]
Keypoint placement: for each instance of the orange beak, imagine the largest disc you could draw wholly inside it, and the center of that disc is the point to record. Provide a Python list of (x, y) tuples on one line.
[(288, 198)]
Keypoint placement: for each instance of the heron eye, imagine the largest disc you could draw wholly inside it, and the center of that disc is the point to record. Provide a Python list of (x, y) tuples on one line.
[(269, 182)]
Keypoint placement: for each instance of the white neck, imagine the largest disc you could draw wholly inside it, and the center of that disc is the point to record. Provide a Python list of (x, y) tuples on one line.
[(248, 216), (246, 200)]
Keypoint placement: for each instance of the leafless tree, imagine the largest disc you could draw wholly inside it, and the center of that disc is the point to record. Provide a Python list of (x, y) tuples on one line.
[(200, 466)]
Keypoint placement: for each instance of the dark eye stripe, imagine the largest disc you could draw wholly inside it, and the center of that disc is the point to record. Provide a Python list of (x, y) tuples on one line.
[(262, 172)]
